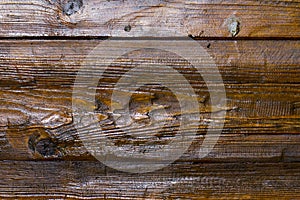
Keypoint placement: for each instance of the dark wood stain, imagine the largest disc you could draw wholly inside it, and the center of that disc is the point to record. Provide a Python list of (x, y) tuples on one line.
[(255, 45)]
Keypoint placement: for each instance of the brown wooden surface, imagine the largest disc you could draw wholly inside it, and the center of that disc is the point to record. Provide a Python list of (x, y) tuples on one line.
[(198, 18), (78, 179), (262, 124), (43, 44)]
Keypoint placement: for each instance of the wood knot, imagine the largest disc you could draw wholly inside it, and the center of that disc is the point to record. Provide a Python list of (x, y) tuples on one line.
[(234, 28), (72, 6), (44, 147), (233, 25), (127, 28)]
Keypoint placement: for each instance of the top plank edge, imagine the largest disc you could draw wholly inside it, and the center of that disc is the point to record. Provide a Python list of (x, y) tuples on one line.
[(157, 18), (144, 38)]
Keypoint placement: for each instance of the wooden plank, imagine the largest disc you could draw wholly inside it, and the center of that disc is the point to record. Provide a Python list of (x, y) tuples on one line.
[(28, 145), (82, 179), (260, 77), (198, 18)]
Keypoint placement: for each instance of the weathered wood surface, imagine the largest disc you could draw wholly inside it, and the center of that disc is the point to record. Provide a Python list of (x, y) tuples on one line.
[(88, 180), (43, 44), (261, 81), (198, 18)]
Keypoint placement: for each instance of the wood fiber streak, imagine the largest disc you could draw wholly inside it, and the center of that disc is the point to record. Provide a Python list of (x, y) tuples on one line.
[(261, 81), (198, 18), (88, 179)]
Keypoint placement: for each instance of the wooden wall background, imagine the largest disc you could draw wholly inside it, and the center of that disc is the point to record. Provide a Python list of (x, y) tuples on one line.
[(43, 43)]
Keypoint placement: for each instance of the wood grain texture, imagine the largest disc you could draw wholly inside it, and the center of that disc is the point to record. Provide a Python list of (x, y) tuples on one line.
[(260, 77), (43, 45), (89, 180), (198, 18)]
